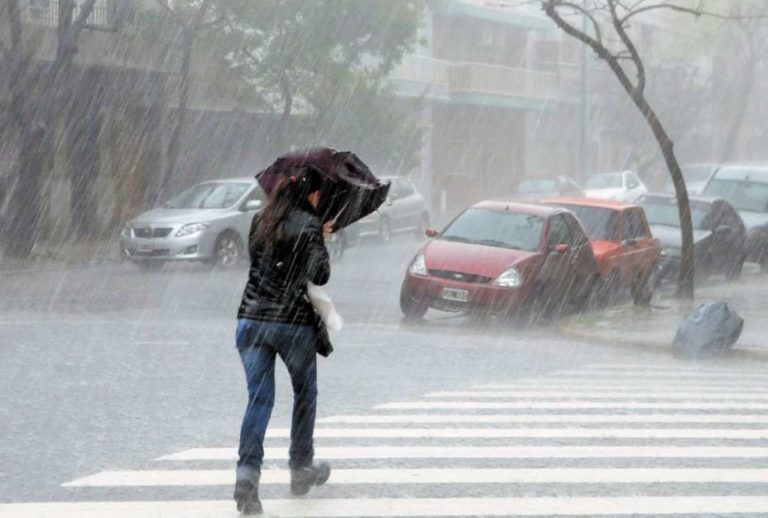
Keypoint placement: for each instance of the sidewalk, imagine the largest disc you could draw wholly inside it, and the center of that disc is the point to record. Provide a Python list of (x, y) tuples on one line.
[(48, 256), (655, 327)]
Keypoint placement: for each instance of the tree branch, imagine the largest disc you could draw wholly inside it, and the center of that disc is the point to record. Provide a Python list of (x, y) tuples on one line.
[(576, 7), (686, 10), (551, 9), (622, 32)]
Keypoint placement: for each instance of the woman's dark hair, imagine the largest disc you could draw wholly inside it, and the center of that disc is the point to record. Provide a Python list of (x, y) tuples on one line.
[(291, 191)]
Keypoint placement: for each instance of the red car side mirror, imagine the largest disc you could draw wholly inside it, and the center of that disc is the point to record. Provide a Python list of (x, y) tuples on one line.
[(562, 248), (432, 232)]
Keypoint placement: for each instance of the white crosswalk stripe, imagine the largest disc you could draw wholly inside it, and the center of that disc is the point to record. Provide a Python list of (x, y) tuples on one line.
[(615, 439)]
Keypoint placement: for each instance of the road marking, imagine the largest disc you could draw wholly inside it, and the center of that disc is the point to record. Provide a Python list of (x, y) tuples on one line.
[(498, 405), (554, 384), (154, 478), (545, 418), (348, 507), (604, 373), (596, 394), (673, 368), (529, 433), (485, 452), (623, 386)]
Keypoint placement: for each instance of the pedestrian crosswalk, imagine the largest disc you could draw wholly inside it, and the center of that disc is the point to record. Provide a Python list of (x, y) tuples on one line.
[(604, 439)]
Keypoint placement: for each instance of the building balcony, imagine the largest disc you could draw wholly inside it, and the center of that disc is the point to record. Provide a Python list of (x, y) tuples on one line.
[(480, 83), (477, 78), (106, 14)]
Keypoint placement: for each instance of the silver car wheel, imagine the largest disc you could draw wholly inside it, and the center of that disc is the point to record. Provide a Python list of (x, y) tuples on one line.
[(227, 250)]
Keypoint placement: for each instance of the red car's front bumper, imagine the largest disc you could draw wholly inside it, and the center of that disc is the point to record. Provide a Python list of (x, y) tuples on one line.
[(485, 298)]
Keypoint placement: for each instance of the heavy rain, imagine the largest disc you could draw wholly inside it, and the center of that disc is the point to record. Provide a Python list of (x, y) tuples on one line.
[(335, 258)]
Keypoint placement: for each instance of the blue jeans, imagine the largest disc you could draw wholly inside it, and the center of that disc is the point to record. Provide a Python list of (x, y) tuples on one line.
[(258, 343)]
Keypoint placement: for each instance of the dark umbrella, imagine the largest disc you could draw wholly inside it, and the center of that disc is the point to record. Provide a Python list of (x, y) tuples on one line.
[(350, 191)]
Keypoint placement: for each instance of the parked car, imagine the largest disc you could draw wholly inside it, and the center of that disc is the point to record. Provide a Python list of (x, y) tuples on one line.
[(501, 257), (621, 186), (745, 187), (535, 188), (719, 235), (405, 210), (626, 251), (695, 176), (208, 222)]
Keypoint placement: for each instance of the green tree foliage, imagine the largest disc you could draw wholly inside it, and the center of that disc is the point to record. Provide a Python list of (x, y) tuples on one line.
[(324, 64)]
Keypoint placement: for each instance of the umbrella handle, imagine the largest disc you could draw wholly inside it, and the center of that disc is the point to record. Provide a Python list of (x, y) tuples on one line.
[(332, 221)]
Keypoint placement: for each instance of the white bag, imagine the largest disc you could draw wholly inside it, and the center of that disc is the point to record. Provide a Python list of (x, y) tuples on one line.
[(324, 307)]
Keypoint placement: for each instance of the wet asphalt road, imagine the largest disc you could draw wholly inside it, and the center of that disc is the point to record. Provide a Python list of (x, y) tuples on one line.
[(109, 367)]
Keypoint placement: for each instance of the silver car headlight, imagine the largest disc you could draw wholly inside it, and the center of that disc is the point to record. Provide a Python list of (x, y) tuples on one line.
[(192, 228), (512, 278), (127, 230), (419, 266)]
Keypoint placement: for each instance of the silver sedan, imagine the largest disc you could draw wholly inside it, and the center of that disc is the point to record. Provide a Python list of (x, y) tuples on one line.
[(208, 222)]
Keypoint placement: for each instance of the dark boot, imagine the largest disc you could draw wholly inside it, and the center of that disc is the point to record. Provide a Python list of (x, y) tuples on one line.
[(304, 478), (247, 490)]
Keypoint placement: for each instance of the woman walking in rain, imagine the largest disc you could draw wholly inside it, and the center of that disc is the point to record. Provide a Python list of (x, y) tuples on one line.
[(276, 318)]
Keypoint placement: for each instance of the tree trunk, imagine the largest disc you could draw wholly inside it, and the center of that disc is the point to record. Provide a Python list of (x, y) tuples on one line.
[(38, 100), (22, 226), (174, 143), (686, 277)]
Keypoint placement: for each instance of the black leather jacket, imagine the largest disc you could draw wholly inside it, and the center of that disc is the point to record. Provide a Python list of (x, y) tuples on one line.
[(277, 282)]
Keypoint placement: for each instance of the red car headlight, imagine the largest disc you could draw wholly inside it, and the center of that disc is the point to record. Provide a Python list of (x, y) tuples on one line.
[(512, 278), (419, 266)]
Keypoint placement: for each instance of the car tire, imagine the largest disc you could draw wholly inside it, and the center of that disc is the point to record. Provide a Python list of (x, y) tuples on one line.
[(385, 229), (411, 308), (227, 251), (642, 290), (581, 301), (150, 266), (539, 307), (608, 289)]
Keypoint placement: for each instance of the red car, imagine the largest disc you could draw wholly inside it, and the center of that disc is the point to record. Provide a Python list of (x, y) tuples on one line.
[(500, 257), (625, 249)]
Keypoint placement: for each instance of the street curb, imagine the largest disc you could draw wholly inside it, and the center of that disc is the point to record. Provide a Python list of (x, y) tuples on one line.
[(58, 265), (565, 329)]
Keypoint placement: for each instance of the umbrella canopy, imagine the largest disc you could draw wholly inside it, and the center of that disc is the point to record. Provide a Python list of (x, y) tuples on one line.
[(350, 190)]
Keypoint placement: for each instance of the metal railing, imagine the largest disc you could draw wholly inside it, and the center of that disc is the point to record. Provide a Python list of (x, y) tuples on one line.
[(499, 80), (484, 78), (105, 14), (422, 69)]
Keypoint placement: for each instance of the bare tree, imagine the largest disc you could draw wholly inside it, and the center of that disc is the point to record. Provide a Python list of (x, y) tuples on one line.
[(622, 56), (38, 94)]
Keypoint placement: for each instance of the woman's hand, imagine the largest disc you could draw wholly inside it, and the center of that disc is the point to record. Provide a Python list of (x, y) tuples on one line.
[(327, 229)]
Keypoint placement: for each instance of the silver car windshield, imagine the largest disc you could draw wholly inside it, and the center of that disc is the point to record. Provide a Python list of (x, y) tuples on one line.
[(211, 195), (494, 228), (664, 212), (742, 194)]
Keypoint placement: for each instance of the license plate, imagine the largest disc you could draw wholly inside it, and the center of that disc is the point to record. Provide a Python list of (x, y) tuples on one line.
[(145, 248), (455, 295)]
